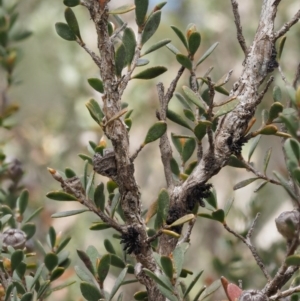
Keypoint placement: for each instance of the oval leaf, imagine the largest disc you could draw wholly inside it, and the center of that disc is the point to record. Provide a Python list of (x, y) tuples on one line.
[(184, 61), (228, 107), (155, 132), (293, 260), (122, 9), (100, 226), (51, 261), (177, 119), (194, 42), (207, 53), (95, 111), (99, 197), (22, 201), (150, 26), (184, 219), (164, 282), (188, 149), (60, 196), (151, 72), (72, 22), (218, 215), (97, 85), (64, 31), (244, 183), (90, 292), (71, 3), (103, 268), (141, 7), (156, 46), (120, 59), (167, 265), (129, 43), (180, 35), (68, 213), (193, 97)]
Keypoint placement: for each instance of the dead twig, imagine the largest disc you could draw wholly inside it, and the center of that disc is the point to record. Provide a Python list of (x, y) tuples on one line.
[(286, 26)]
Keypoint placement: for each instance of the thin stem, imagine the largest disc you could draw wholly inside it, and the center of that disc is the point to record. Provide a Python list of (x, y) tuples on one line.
[(252, 248), (237, 21), (286, 26)]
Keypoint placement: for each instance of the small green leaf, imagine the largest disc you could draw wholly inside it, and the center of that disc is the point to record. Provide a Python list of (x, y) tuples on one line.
[(167, 266), (155, 132), (218, 215), (63, 244), (150, 26), (277, 95), (192, 284), (116, 261), (270, 129), (171, 233), (43, 288), (122, 9), (183, 101), (281, 46), (180, 35), (196, 99), (177, 119), (86, 158), (16, 259), (163, 204), (188, 149), (52, 236), (68, 213), (64, 31), (212, 199), (56, 273), (99, 197), (178, 143), (83, 275), (244, 183), (172, 48), (207, 53), (201, 128), (141, 7), (140, 295), (184, 219), (291, 122), (293, 260), (86, 260), (90, 292), (178, 256), (118, 283), (150, 73), (97, 85), (129, 43), (184, 61), (285, 185), (120, 59), (100, 226), (103, 268), (260, 186), (70, 173), (94, 110), (51, 261), (191, 167), (111, 186), (189, 114), (27, 297), (174, 167), (20, 35), (296, 175), (72, 22), (142, 62), (8, 292), (21, 270), (212, 288), (228, 107), (22, 201), (292, 150), (275, 110), (267, 159), (71, 3), (253, 146), (156, 46), (164, 282), (60, 196), (109, 247), (29, 229), (194, 42)]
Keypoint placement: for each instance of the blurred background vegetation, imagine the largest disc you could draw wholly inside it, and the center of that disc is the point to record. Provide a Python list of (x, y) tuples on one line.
[(53, 127)]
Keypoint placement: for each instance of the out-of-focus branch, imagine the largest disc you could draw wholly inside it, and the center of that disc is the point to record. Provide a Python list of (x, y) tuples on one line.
[(297, 77), (237, 21), (286, 26), (247, 242)]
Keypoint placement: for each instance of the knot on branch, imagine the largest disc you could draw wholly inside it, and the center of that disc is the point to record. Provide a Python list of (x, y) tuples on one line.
[(196, 195), (287, 224), (131, 241), (236, 146), (73, 186), (105, 165), (175, 212)]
